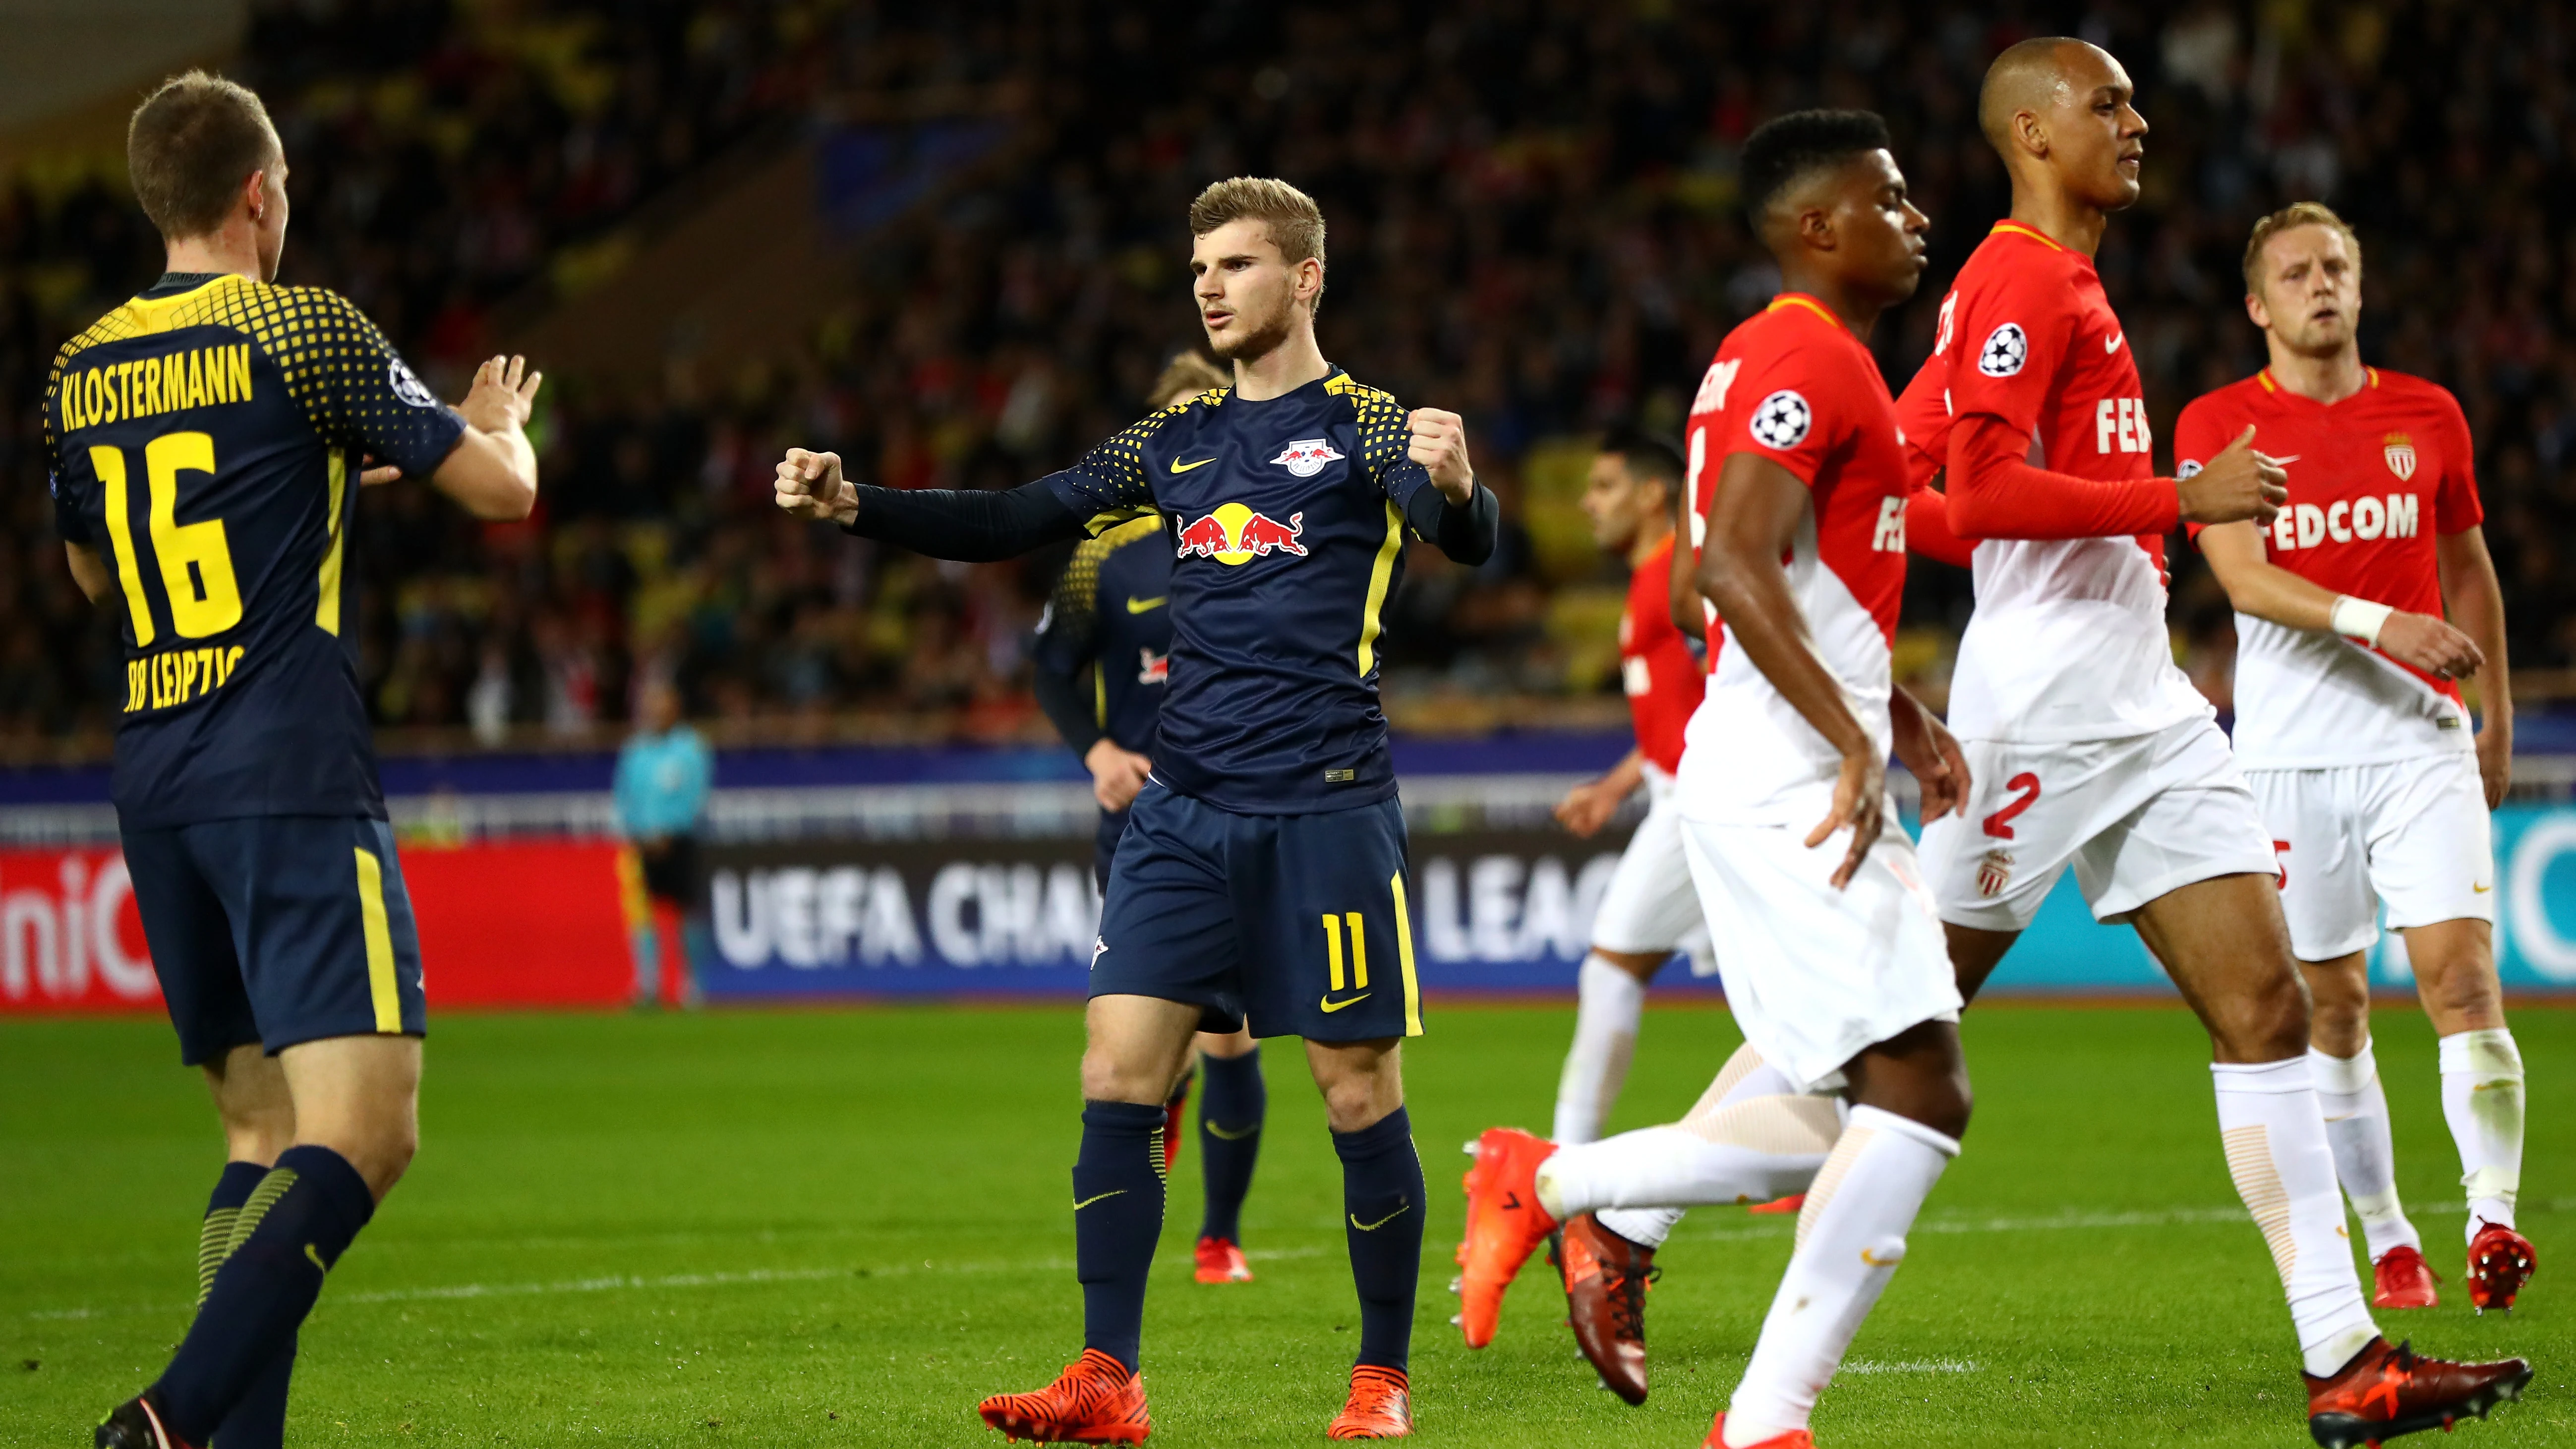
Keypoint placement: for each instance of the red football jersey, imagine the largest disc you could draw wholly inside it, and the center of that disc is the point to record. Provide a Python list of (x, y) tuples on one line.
[(1661, 674), (2373, 479), (1794, 386), (2068, 641)]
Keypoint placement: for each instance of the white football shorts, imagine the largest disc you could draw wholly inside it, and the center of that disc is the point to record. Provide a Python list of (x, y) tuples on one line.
[(2136, 817), (1649, 905), (2413, 833), (1813, 974)]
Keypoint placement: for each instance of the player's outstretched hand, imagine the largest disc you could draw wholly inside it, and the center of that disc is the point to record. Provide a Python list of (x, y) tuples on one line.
[(1440, 445), (2237, 484), (1587, 807), (2430, 644), (503, 397), (810, 486), (1860, 799), (1932, 754)]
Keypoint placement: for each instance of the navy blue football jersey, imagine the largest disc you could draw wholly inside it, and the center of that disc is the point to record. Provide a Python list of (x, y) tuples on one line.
[(205, 438), (1287, 524), (1111, 611)]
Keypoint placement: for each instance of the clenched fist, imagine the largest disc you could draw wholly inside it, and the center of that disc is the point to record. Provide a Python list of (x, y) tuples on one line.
[(810, 485), (1440, 445)]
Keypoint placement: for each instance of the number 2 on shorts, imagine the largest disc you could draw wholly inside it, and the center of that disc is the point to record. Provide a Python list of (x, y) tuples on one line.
[(1999, 824)]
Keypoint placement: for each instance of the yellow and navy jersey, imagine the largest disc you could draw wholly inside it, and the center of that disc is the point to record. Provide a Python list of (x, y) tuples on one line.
[(1111, 613), (1286, 518), (205, 439)]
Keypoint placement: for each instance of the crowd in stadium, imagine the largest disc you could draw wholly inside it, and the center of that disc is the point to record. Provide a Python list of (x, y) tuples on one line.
[(1533, 224)]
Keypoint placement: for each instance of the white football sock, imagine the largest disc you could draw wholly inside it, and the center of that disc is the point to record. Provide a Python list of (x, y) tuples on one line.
[(2482, 1099), (2356, 1112), (1851, 1236), (1750, 1152), (2276, 1150), (1609, 1004), (1745, 1076)]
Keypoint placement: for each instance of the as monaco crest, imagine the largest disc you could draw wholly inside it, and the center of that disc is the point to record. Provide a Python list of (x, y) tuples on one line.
[(1994, 872), (2399, 450)]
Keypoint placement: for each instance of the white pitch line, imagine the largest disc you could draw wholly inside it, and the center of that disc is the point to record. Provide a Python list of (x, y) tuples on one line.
[(1909, 1366)]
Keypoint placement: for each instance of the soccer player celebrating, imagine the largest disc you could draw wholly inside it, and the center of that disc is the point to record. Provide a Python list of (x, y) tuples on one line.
[(1833, 959), (1109, 720), (1648, 911), (2089, 747), (1261, 878), (205, 439), (2351, 730)]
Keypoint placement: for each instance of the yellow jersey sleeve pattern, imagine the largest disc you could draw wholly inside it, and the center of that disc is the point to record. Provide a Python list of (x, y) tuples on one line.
[(338, 369), (1386, 438), (1113, 484)]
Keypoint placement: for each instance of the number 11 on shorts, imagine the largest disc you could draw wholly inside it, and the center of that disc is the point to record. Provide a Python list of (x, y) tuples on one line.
[(1358, 979)]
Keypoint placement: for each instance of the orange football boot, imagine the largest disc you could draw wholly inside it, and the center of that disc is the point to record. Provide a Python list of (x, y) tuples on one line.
[(1505, 1225), (1789, 1204), (2402, 1279), (1380, 1406), (1220, 1261), (1794, 1439), (1094, 1401), (2500, 1262), (2385, 1392)]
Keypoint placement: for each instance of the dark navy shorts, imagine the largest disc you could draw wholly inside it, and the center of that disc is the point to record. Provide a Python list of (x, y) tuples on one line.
[(1296, 925), (278, 929)]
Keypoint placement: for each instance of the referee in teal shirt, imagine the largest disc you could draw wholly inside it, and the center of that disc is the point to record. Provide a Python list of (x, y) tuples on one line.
[(663, 774)]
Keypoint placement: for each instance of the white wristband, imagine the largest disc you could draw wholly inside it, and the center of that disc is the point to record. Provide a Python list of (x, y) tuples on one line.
[(2360, 619)]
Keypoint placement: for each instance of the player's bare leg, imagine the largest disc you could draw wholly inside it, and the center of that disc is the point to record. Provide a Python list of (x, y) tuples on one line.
[(1382, 1216), (1910, 1105), (1233, 1103), (1135, 1047), (1975, 954), (2356, 1112), (2482, 1095), (1610, 1000)]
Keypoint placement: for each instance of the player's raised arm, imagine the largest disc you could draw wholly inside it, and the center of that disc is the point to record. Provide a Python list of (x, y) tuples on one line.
[(1458, 514)]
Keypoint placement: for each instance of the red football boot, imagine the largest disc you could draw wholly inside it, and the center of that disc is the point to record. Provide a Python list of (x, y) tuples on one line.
[(1220, 1261), (2385, 1392), (1094, 1401), (1794, 1439), (1505, 1225), (1605, 1279), (1789, 1204), (2500, 1262), (2402, 1279), (1380, 1406)]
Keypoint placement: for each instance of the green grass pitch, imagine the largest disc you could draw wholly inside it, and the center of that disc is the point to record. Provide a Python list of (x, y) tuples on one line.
[(844, 1227)]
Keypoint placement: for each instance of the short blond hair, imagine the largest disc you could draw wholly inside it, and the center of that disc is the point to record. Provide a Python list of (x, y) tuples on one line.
[(1189, 374), (2296, 214), (1295, 222)]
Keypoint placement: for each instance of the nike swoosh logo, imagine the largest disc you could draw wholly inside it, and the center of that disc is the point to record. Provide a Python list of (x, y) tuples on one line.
[(1332, 1005), (1874, 1262), (315, 1258), (2481, 890), (2111, 343), (1086, 1202), (1140, 606), (1221, 1134), (1180, 467), (1381, 1222)]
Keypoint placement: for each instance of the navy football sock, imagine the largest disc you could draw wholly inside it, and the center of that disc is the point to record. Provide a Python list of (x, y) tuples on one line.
[(1382, 1208), (258, 1421), (1117, 1215), (1232, 1102), (294, 1226)]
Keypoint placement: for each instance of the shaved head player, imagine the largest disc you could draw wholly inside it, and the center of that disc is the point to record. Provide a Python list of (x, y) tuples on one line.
[(2089, 746)]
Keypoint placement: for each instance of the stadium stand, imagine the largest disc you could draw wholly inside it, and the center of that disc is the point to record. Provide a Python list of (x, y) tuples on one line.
[(1532, 211)]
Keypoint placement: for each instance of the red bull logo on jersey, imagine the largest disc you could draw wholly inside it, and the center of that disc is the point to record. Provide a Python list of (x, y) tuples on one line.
[(1235, 534), (1306, 457), (2399, 450), (1153, 668)]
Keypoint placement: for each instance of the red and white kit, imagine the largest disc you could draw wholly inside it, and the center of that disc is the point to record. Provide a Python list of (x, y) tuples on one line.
[(2087, 745), (1649, 905), (1813, 974), (2364, 768)]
